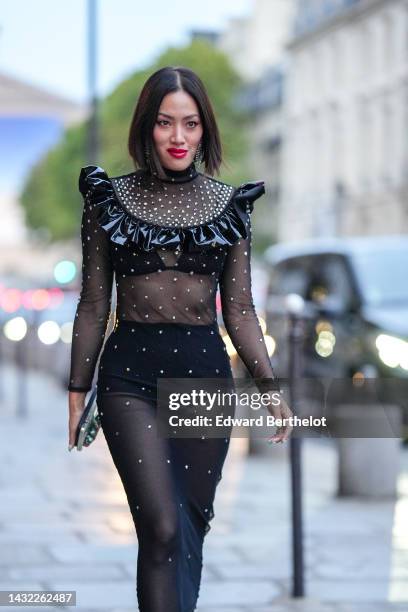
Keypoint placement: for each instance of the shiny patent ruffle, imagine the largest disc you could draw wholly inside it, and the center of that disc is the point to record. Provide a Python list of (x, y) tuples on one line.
[(123, 227)]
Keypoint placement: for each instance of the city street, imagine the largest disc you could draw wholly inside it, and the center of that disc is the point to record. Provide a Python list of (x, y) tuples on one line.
[(65, 524)]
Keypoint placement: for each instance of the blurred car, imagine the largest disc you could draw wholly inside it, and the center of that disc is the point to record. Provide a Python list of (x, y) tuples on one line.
[(37, 327), (358, 291)]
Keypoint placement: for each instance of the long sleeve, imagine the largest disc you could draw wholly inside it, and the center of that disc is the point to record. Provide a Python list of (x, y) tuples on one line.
[(93, 309), (238, 310)]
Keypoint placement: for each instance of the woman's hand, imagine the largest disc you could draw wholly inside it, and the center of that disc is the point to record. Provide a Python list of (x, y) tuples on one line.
[(280, 410), (76, 401)]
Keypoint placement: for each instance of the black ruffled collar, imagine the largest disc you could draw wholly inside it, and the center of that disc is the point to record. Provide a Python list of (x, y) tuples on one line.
[(122, 227)]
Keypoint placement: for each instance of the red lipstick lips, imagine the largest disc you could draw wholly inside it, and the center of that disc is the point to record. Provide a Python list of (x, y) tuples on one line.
[(178, 153)]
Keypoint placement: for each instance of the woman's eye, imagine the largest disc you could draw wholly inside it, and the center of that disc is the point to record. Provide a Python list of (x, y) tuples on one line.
[(166, 122)]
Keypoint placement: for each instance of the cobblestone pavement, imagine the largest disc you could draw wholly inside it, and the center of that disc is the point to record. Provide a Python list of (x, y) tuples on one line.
[(65, 524)]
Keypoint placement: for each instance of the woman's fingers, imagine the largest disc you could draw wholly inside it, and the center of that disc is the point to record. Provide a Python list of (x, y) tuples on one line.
[(76, 408), (74, 418), (281, 435), (281, 411)]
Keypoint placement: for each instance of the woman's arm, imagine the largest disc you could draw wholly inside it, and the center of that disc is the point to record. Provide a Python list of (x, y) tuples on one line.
[(242, 325), (239, 314), (93, 309)]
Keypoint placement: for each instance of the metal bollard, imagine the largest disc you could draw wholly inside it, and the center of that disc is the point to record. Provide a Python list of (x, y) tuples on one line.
[(295, 306)]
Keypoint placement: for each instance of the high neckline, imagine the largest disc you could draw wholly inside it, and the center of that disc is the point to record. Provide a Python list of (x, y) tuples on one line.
[(180, 176)]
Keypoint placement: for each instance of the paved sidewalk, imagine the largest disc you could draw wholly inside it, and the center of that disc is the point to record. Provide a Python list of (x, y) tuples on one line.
[(65, 524)]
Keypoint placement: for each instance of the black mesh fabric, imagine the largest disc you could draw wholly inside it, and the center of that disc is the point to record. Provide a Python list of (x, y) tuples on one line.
[(170, 485), (170, 244)]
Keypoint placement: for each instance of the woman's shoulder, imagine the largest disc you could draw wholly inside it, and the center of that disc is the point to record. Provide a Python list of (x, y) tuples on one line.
[(245, 193), (91, 179), (94, 178)]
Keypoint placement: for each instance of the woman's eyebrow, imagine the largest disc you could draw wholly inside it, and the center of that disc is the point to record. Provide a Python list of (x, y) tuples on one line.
[(170, 117)]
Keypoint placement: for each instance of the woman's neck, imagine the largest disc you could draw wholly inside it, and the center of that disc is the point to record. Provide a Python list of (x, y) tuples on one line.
[(180, 176)]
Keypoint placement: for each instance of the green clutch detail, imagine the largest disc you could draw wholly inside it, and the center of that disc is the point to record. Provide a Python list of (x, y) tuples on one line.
[(89, 424), (93, 429)]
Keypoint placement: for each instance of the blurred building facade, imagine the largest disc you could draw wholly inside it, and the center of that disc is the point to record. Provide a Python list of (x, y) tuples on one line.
[(32, 120), (256, 48), (263, 100), (254, 43), (345, 145)]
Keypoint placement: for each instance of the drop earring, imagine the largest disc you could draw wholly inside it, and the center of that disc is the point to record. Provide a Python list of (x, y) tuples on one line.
[(198, 154)]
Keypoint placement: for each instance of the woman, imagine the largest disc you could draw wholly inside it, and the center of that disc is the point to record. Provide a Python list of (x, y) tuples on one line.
[(171, 235)]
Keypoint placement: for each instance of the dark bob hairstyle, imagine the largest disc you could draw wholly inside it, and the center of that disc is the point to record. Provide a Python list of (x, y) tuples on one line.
[(162, 82)]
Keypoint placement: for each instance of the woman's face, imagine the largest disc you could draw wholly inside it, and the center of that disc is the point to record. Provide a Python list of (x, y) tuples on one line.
[(177, 131)]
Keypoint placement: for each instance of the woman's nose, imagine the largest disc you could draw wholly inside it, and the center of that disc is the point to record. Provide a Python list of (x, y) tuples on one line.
[(178, 135)]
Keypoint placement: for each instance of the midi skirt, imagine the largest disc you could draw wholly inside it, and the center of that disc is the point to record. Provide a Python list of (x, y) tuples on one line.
[(170, 483)]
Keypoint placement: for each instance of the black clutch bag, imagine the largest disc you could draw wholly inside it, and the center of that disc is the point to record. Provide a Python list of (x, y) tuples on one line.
[(89, 423)]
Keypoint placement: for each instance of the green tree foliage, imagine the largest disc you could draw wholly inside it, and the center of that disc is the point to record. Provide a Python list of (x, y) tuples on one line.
[(51, 198)]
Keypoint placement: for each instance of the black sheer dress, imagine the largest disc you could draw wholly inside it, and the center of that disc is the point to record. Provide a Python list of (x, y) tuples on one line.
[(168, 245)]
